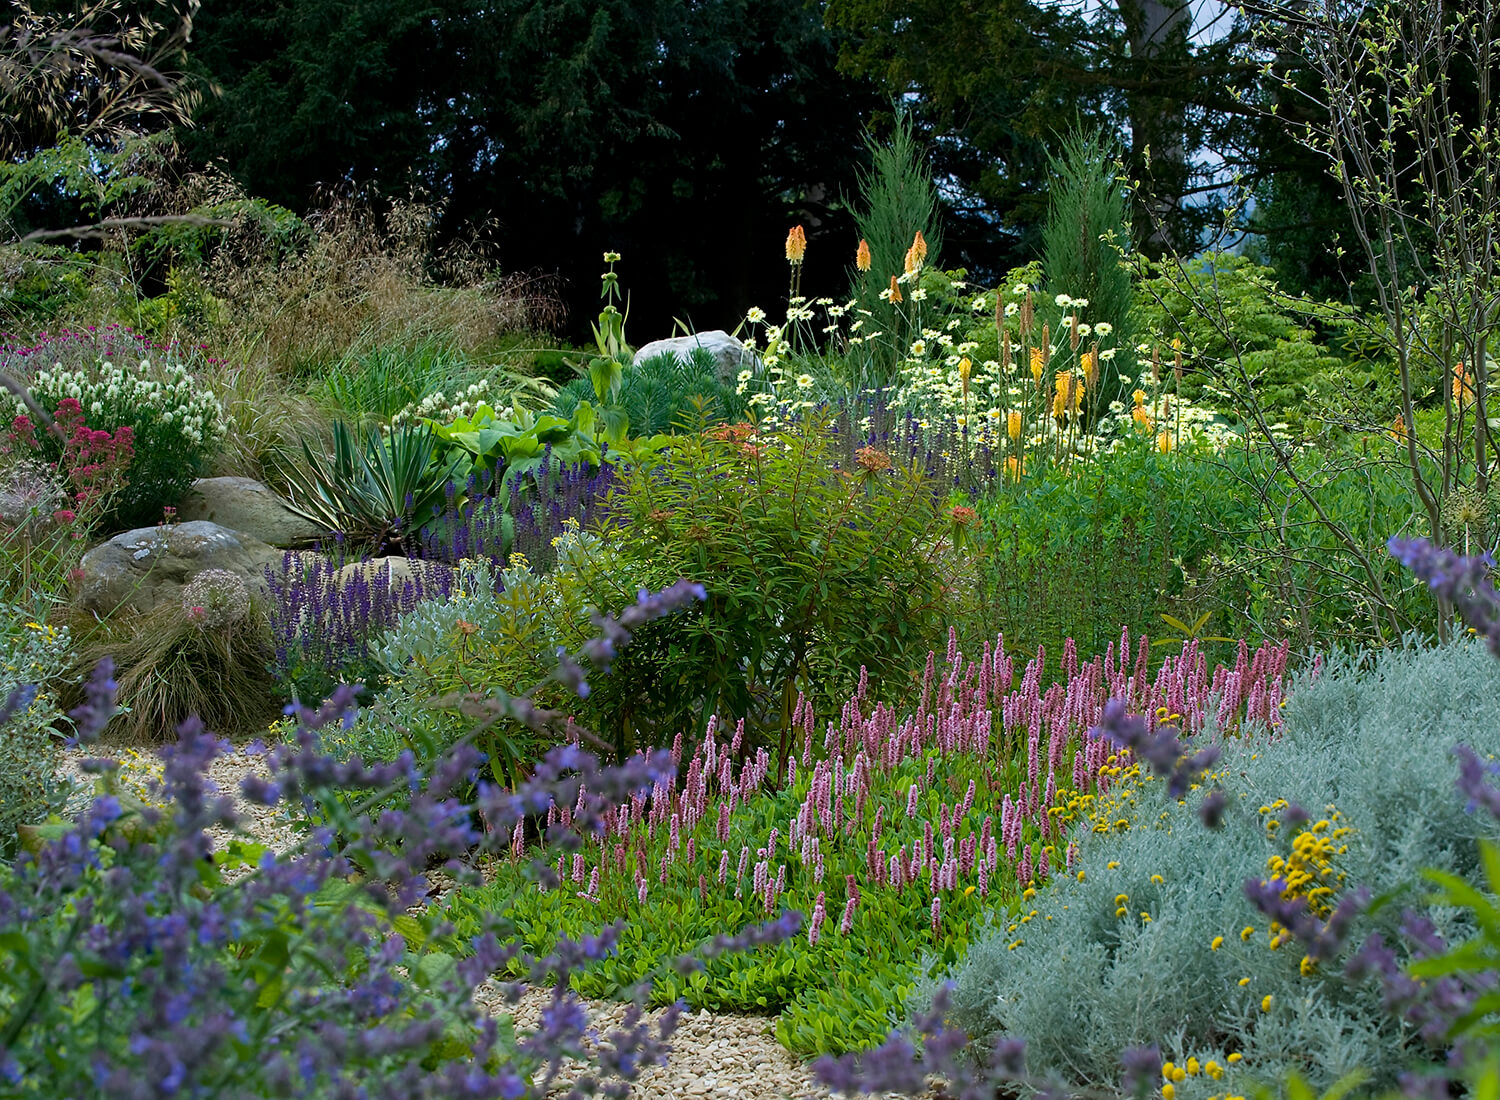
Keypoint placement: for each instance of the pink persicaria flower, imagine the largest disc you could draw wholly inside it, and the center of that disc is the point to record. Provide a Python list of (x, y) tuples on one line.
[(815, 926)]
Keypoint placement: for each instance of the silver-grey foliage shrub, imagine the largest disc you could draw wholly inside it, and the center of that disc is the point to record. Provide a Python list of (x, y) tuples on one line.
[(1081, 984)]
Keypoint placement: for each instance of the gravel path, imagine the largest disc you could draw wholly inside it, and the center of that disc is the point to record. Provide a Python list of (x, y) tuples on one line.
[(714, 1056)]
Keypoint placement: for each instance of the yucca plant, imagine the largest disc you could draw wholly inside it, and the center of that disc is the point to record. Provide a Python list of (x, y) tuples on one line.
[(370, 489)]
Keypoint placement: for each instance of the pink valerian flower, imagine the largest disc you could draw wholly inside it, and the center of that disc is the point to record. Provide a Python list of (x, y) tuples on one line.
[(20, 437), (820, 914)]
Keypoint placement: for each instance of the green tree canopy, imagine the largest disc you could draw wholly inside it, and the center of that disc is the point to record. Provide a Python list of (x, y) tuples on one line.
[(686, 134)]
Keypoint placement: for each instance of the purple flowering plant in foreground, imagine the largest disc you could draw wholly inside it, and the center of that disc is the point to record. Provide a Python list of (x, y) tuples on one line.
[(137, 960)]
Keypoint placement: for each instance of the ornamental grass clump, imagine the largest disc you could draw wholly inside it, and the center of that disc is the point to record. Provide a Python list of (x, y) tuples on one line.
[(206, 655), (906, 832), (1229, 946)]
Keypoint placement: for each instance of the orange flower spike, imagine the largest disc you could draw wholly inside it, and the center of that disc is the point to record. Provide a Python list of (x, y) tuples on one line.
[(796, 244), (1073, 334), (1013, 424), (1091, 367), (1038, 364), (912, 263), (862, 255), (919, 247), (896, 291)]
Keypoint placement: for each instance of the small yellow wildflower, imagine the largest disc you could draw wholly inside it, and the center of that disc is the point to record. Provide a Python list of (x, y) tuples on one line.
[(1235, 1057), (1265, 1003), (1247, 931), (1167, 1091), (1217, 943), (1213, 1069), (1244, 981), (1192, 1067)]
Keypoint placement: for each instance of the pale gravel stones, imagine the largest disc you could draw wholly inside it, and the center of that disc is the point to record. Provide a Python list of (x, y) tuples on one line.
[(714, 1056)]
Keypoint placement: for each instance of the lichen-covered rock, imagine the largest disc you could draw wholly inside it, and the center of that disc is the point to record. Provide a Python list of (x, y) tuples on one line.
[(730, 356), (244, 504), (150, 565)]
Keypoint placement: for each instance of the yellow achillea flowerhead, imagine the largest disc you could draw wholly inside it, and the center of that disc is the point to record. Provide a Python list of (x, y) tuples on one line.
[(796, 244), (862, 255)]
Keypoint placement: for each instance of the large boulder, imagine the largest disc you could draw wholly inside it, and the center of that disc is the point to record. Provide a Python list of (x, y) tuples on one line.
[(394, 573), (244, 504), (730, 356), (149, 566)]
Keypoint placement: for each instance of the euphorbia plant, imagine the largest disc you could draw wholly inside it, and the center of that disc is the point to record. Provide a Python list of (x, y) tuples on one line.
[(813, 571)]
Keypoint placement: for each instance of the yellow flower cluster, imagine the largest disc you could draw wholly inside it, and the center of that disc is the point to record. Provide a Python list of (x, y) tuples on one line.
[(1309, 871)]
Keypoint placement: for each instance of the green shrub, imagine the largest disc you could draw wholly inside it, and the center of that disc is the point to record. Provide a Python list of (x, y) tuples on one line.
[(1087, 226), (30, 653), (1300, 358), (663, 394), (898, 200), (1152, 943), (812, 572), (1120, 541), (494, 630)]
